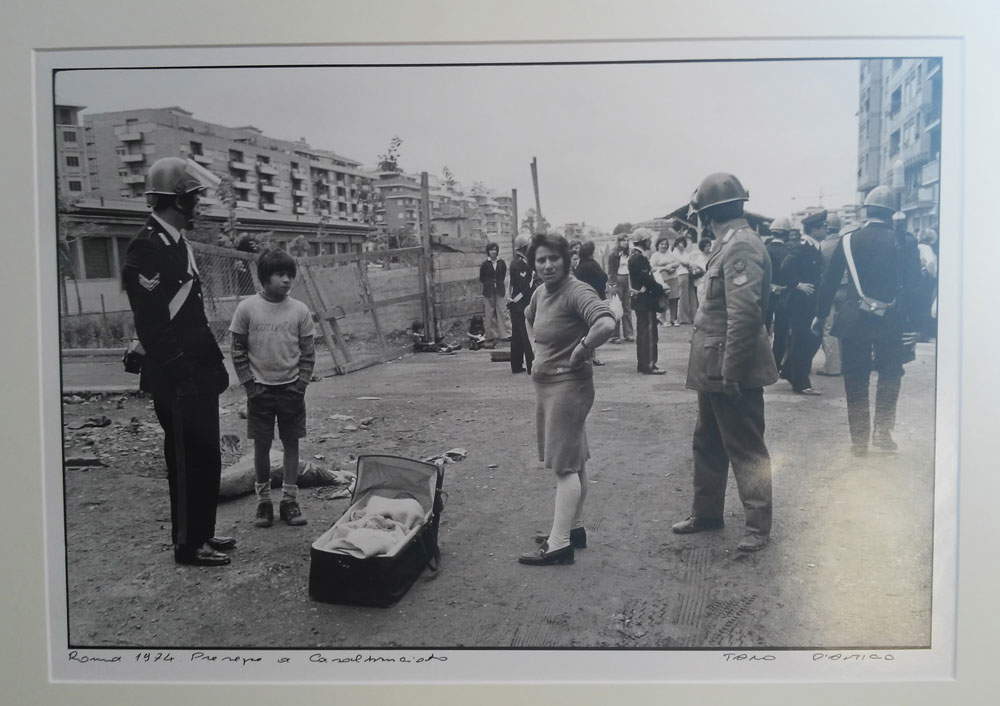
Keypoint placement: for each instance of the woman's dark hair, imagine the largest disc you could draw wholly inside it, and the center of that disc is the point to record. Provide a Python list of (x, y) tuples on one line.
[(553, 242), (274, 262), (492, 246), (587, 250)]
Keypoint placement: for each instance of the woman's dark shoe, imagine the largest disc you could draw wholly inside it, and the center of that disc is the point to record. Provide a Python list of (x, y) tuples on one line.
[(265, 514), (290, 513), (543, 557), (577, 538)]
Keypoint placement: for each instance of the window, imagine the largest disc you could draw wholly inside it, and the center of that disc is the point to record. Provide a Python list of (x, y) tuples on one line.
[(97, 258), (75, 186), (894, 143), (69, 136), (196, 148), (897, 102), (72, 161)]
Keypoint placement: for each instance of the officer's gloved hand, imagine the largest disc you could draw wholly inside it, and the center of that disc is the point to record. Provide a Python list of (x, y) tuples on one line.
[(817, 326)]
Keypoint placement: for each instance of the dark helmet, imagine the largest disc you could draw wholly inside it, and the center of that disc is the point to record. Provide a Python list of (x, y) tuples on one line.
[(170, 176), (716, 189), (880, 197)]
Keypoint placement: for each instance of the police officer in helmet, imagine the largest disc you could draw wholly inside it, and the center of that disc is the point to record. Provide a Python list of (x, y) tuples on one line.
[(876, 320), (182, 367), (729, 365)]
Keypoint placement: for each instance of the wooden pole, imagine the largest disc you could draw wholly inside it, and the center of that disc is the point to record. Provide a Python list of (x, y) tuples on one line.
[(515, 226), (427, 281), (538, 202)]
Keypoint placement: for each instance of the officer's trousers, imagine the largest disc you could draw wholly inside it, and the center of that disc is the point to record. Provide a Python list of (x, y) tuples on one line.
[(624, 328), (646, 340), (194, 465), (731, 430), (521, 354), (859, 357), (831, 350), (779, 330), (802, 347)]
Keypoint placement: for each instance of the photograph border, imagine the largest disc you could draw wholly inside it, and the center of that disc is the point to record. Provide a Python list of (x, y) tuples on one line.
[(84, 26)]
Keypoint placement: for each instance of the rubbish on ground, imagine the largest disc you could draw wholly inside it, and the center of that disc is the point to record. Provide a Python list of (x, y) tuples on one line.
[(83, 461), (73, 399), (238, 479), (341, 418), (492, 465), (99, 421), (230, 443), (349, 427), (366, 421), (369, 398), (449, 456)]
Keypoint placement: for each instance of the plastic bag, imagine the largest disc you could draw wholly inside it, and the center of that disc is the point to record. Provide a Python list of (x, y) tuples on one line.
[(615, 304)]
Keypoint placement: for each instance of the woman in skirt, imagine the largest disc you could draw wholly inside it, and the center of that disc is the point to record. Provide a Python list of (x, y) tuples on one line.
[(567, 321)]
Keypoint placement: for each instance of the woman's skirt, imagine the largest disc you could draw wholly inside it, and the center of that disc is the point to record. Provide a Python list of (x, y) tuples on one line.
[(685, 307), (561, 414)]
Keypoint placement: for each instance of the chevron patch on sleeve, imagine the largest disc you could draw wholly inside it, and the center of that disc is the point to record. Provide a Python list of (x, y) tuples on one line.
[(150, 283)]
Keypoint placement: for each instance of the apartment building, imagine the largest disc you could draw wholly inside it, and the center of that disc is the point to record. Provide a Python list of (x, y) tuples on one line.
[(899, 134), (72, 162)]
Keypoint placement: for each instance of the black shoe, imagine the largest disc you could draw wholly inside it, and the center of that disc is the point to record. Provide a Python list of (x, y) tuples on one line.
[(265, 514), (859, 450), (203, 556), (629, 340), (543, 557), (515, 372), (290, 513), (883, 440), (221, 544), (577, 538), (753, 542), (653, 371), (696, 524)]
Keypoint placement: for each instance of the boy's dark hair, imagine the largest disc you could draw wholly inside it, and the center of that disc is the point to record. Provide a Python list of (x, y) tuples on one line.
[(554, 242), (587, 249), (274, 262), (492, 246)]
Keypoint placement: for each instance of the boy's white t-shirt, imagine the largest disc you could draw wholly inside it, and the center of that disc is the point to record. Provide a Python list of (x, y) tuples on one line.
[(273, 330)]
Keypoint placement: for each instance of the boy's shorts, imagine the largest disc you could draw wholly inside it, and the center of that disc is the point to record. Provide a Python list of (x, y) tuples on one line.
[(279, 402)]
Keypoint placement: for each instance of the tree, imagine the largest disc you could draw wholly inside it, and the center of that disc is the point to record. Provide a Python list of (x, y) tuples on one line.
[(622, 228), (531, 222), (68, 231), (389, 160)]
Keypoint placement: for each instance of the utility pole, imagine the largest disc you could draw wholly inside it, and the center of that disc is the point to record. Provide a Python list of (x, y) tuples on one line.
[(538, 204), (427, 281), (514, 222)]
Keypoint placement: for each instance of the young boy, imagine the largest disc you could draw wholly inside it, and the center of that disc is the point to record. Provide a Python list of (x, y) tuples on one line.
[(274, 356)]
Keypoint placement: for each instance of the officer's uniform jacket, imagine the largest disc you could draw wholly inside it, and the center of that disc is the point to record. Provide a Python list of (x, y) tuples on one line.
[(160, 277), (492, 276), (521, 288), (803, 263), (888, 265), (729, 340)]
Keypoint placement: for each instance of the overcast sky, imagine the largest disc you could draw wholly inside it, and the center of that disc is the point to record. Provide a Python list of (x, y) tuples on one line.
[(614, 143)]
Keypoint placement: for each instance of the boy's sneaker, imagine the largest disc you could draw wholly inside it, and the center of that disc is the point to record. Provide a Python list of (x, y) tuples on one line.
[(290, 513), (265, 514)]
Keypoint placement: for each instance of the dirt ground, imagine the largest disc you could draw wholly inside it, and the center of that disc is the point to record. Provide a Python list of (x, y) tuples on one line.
[(849, 564)]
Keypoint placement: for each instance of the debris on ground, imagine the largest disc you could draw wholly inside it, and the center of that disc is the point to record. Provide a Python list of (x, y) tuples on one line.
[(369, 398), (98, 421), (449, 456), (341, 418), (230, 443), (83, 461)]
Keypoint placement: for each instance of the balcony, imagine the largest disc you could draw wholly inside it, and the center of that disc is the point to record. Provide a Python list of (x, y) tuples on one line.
[(916, 198), (129, 136), (238, 165), (269, 188), (323, 197), (301, 210), (270, 206), (201, 158), (239, 184), (245, 204), (930, 173), (133, 158), (134, 179), (299, 174), (264, 168), (300, 192)]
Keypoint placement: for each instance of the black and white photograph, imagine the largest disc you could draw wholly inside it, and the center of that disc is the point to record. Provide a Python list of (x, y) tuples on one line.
[(536, 354)]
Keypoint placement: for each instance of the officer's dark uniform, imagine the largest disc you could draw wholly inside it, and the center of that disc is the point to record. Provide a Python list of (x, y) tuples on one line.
[(802, 264), (776, 250), (644, 305), (888, 266), (521, 354), (184, 372), (730, 343)]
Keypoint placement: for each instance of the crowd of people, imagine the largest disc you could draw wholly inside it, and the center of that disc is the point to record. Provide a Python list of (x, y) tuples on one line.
[(759, 309)]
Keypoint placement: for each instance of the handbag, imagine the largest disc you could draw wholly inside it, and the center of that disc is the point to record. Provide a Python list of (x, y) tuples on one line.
[(133, 357)]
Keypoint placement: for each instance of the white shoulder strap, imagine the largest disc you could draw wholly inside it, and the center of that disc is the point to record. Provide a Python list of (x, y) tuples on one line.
[(846, 240)]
